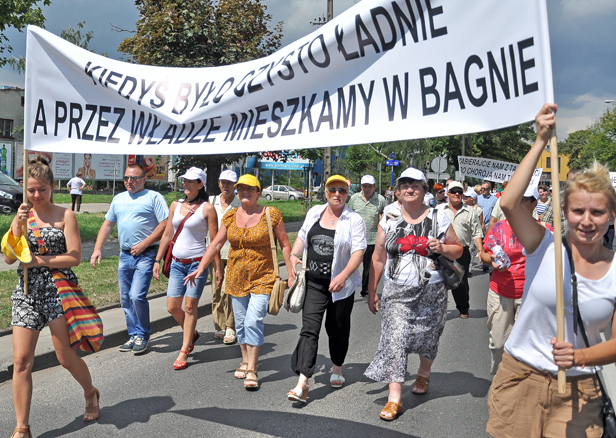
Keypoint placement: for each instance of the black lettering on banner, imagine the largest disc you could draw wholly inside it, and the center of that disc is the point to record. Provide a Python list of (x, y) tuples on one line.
[(213, 127), (433, 12), (481, 82), (526, 64), (503, 81), (59, 118), (193, 139), (128, 79), (253, 88), (198, 93), (339, 32), (287, 64), (381, 11), (327, 60), (205, 101), (299, 57), (342, 108), (219, 96), (139, 126), (110, 78), (307, 113), (452, 83), (169, 134), (100, 78), (40, 119), (181, 101), (326, 117), (367, 100), (239, 91), (514, 73), (92, 109), (269, 70), (258, 121), (276, 119), (144, 90), (421, 18), (295, 103), (429, 90), (362, 42), (155, 125), (237, 126), (249, 124), (159, 95), (120, 112), (411, 23), (89, 72), (74, 120), (102, 122), (178, 139), (403, 97)]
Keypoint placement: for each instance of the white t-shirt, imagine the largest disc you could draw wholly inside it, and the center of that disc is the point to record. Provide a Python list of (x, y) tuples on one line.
[(392, 210), (529, 341), (406, 245), (76, 184)]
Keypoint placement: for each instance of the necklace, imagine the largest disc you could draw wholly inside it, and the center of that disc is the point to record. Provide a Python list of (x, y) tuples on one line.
[(246, 221), (332, 216)]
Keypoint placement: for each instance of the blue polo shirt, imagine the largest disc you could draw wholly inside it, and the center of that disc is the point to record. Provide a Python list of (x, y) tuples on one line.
[(137, 215), (487, 205)]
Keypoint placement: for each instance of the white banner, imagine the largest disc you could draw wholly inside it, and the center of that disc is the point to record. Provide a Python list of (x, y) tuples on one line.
[(492, 170), (382, 71)]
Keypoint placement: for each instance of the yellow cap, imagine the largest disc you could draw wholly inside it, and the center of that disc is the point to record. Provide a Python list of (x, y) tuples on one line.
[(249, 180), (335, 178), (16, 248)]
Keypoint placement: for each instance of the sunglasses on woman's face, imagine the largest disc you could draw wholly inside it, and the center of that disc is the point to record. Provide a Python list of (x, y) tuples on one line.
[(333, 190), (441, 192)]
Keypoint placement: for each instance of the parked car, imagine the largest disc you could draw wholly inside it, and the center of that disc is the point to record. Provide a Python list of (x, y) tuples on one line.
[(281, 192), (11, 194)]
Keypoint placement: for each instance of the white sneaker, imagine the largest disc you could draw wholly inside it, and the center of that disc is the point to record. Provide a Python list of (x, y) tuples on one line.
[(230, 336)]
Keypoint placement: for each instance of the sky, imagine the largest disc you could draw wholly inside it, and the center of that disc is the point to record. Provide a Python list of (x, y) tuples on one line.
[(582, 37)]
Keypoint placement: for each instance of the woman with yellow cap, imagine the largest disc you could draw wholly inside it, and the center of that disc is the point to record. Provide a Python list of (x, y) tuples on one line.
[(332, 240), (249, 278)]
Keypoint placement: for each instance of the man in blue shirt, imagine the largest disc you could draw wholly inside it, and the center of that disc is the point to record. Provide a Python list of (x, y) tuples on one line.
[(141, 215), (486, 201)]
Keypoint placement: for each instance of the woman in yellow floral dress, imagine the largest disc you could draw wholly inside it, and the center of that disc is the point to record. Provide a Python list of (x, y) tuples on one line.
[(250, 270)]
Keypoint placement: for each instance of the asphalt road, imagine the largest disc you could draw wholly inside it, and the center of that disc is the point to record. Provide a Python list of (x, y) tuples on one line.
[(142, 396)]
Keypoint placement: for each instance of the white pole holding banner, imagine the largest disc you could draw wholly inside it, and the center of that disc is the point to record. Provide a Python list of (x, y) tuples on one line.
[(25, 200)]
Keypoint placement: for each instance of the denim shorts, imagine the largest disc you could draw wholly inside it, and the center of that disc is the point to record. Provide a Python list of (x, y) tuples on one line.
[(176, 287)]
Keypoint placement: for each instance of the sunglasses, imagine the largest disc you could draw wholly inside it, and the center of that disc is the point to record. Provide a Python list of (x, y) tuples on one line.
[(333, 190), (441, 191), (456, 192), (132, 178)]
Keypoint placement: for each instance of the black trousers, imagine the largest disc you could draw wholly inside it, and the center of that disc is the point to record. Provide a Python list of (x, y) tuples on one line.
[(76, 200), (461, 293), (337, 325), (365, 275)]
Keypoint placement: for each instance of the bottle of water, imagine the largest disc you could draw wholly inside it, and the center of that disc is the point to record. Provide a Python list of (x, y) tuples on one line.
[(501, 259)]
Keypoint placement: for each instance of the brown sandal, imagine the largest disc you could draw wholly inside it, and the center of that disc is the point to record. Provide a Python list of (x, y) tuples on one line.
[(391, 411), (93, 411), (241, 370), (250, 380), (421, 383), (23, 430)]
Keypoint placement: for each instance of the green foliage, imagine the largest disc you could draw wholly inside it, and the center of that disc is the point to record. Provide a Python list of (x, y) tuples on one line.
[(18, 14), (75, 37), (573, 146)]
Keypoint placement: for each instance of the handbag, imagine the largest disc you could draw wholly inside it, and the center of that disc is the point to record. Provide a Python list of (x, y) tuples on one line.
[(168, 254), (451, 272), (294, 297), (85, 327), (609, 417), (275, 302)]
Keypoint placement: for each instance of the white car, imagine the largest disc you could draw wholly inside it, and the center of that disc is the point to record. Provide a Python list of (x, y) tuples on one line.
[(281, 192)]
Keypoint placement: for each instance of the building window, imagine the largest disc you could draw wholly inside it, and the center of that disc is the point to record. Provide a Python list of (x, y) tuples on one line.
[(6, 127), (548, 163), (22, 100)]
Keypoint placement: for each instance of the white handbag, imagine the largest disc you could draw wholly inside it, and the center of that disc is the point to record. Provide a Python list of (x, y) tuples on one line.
[(294, 296)]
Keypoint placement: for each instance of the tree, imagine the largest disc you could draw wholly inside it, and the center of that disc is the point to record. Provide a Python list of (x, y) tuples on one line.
[(18, 14), (202, 33), (573, 146)]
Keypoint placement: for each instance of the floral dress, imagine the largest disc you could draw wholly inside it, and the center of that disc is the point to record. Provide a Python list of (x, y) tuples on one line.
[(250, 268), (42, 304), (414, 301)]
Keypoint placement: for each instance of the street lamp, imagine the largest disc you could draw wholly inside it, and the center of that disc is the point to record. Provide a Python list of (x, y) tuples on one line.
[(609, 100)]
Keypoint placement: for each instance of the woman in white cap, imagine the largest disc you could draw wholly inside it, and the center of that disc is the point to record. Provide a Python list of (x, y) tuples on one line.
[(412, 289), (197, 217), (250, 272), (332, 241)]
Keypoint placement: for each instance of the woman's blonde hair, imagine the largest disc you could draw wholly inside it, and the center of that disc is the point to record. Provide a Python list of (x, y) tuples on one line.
[(39, 169), (477, 189), (594, 179)]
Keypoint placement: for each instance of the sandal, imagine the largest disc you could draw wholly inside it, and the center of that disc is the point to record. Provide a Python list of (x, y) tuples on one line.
[(240, 373), (93, 411), (178, 364), (336, 380), (24, 430), (230, 336), (249, 380), (191, 347), (391, 411), (421, 385), (301, 397)]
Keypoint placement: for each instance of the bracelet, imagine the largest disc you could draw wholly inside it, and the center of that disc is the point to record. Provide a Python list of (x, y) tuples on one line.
[(583, 359), (157, 261), (296, 256)]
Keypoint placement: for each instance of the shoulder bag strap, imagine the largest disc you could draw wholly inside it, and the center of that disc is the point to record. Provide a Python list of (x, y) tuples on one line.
[(37, 233), (272, 242), (189, 214)]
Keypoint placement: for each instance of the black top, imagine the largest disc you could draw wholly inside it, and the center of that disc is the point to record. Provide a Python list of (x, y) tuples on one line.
[(320, 251)]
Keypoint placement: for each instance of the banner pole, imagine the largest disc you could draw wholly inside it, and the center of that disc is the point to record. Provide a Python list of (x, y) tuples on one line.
[(558, 256), (25, 200)]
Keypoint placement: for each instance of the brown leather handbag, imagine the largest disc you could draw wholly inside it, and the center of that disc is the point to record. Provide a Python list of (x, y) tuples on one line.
[(277, 296)]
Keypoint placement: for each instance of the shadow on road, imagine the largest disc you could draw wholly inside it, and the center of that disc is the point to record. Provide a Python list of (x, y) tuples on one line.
[(472, 313), (285, 425), (121, 415)]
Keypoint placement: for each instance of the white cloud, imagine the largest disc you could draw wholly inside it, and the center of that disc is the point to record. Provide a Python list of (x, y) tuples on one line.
[(584, 8), (587, 110)]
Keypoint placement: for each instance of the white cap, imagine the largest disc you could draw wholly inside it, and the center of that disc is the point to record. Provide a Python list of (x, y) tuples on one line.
[(455, 184), (228, 175), (471, 192), (368, 179), (531, 192), (413, 173), (195, 173)]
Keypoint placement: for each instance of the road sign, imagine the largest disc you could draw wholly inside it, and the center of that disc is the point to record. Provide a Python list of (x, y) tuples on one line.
[(439, 176), (391, 155), (459, 176), (439, 164), (392, 162)]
